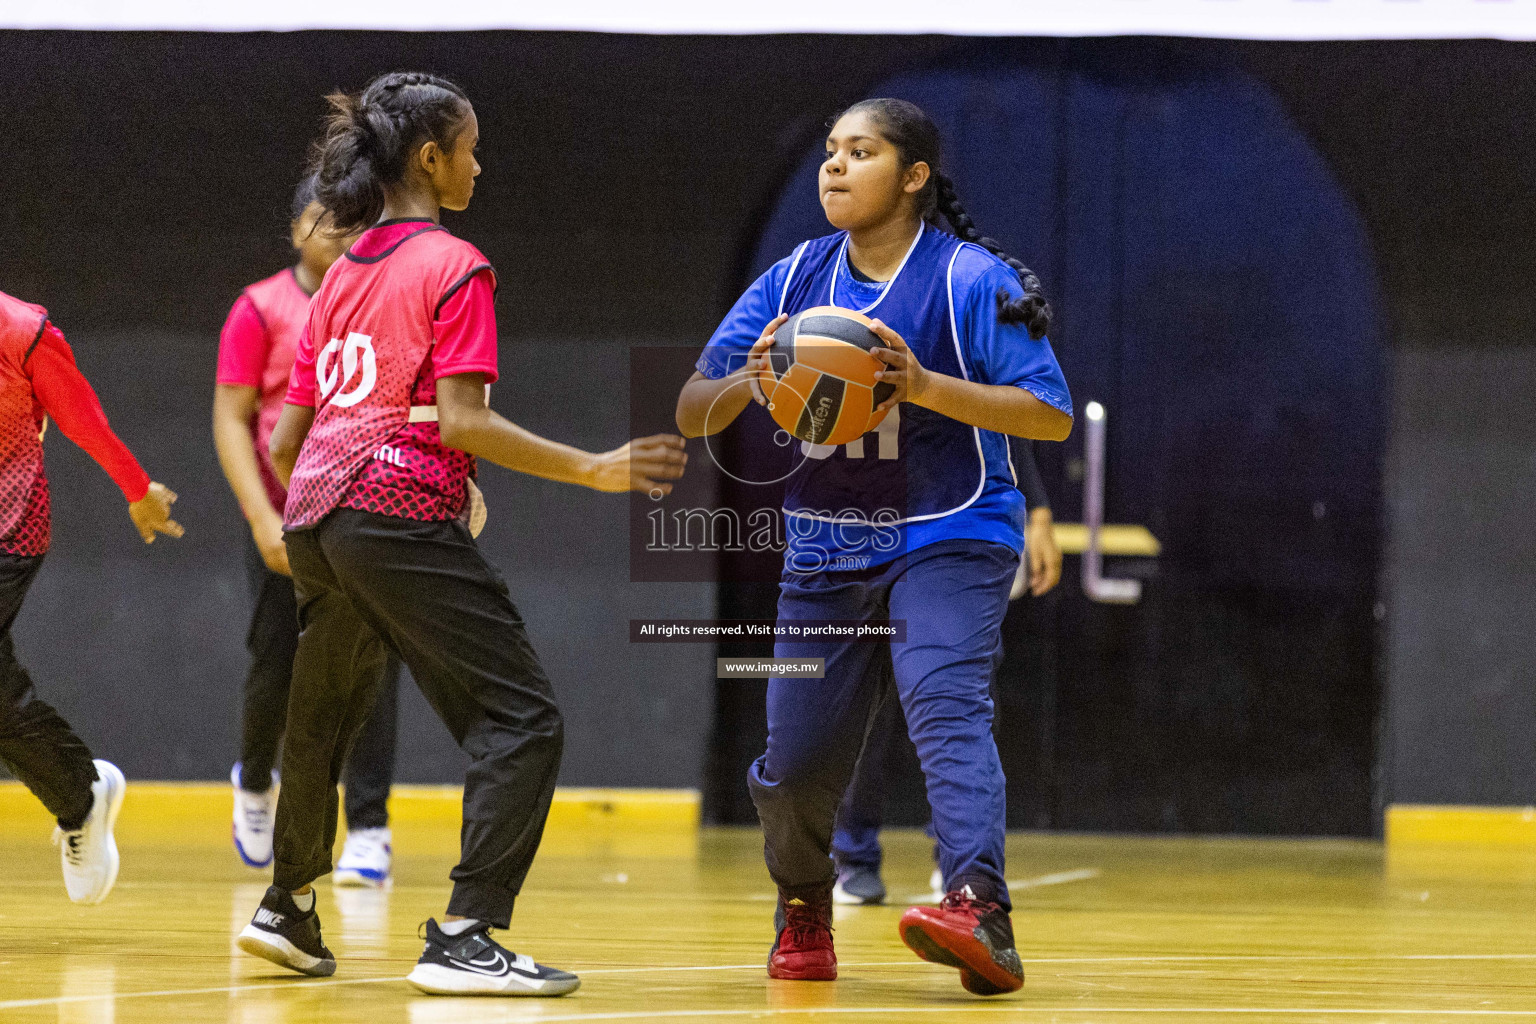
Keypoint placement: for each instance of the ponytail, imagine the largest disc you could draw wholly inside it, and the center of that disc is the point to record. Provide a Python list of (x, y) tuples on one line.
[(916, 139), (369, 137)]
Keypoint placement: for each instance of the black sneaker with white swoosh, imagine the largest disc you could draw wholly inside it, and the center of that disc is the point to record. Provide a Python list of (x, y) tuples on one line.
[(287, 936), (474, 964)]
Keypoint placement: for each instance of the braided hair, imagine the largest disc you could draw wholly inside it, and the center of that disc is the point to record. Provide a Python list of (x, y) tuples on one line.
[(369, 137), (916, 138)]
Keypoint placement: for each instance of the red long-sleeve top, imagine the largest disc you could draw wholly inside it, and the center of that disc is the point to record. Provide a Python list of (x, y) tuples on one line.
[(38, 377)]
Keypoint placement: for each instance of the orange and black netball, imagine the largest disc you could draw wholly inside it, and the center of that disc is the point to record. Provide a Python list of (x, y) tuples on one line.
[(822, 387)]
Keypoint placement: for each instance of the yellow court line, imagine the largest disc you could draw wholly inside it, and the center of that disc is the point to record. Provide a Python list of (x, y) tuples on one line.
[(1413, 824), (571, 805), (154, 810)]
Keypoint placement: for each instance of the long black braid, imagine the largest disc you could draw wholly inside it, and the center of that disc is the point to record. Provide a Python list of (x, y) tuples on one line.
[(370, 135), (916, 138), (1030, 309)]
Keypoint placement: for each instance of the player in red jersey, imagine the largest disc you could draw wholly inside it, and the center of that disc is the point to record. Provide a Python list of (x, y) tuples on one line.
[(384, 418), (255, 360), (38, 379)]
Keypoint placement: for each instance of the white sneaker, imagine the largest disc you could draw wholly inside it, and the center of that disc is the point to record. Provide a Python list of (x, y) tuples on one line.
[(254, 814), (364, 860), (89, 854)]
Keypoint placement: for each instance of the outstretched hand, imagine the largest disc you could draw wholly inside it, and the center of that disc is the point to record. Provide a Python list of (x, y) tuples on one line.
[(151, 514), (644, 464), (902, 370)]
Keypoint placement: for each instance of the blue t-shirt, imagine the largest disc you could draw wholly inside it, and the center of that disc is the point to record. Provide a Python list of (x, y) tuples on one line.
[(995, 353)]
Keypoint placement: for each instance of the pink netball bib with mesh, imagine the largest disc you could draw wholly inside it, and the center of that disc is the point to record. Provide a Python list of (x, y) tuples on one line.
[(370, 329), (23, 485)]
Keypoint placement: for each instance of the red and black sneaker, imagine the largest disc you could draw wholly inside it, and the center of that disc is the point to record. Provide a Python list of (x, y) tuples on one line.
[(974, 935), (803, 950)]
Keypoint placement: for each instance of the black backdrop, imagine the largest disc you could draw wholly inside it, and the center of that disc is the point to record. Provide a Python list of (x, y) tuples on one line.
[(624, 178)]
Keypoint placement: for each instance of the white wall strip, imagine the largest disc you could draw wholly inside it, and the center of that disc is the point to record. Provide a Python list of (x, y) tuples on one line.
[(1236, 19)]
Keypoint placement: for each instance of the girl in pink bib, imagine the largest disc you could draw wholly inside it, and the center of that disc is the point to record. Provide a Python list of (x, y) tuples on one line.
[(385, 416)]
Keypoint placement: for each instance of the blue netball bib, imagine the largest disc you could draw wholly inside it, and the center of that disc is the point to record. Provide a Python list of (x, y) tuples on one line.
[(863, 503)]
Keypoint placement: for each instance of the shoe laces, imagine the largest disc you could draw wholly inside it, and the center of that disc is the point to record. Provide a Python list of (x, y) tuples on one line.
[(964, 900), (73, 844), (366, 843), (806, 921), (258, 811)]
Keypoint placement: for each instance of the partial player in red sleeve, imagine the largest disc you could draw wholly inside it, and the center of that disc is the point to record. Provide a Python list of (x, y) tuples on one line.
[(385, 416), (256, 354), (38, 380)]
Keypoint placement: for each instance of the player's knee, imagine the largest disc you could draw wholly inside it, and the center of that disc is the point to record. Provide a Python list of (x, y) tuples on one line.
[(952, 710), (791, 771), (554, 728), (30, 720), (541, 730)]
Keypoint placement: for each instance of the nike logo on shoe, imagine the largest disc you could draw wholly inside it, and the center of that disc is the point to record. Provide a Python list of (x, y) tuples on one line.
[(268, 918), (496, 965)]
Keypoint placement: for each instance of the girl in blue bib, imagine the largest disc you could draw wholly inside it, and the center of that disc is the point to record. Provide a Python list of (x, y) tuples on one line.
[(919, 520)]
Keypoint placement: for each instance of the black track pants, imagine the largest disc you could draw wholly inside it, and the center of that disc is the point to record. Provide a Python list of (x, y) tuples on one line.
[(366, 582), (36, 744), (272, 640)]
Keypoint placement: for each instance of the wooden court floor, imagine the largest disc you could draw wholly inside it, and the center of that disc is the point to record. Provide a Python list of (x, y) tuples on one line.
[(672, 925)]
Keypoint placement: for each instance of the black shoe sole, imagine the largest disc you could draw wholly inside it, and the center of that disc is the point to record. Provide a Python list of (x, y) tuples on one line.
[(272, 946), (921, 943)]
